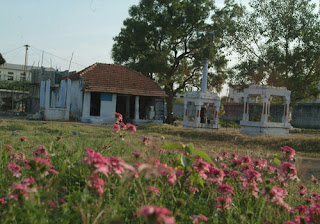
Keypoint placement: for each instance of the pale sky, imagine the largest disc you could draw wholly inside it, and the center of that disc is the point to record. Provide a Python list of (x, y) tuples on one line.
[(61, 27)]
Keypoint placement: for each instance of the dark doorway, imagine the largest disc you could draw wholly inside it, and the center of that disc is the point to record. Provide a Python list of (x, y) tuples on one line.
[(95, 104), (203, 115)]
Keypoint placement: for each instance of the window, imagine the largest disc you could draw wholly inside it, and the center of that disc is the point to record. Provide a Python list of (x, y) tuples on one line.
[(10, 77), (22, 78), (10, 73)]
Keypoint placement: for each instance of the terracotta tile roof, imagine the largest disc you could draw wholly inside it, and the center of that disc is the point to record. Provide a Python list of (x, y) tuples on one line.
[(112, 78)]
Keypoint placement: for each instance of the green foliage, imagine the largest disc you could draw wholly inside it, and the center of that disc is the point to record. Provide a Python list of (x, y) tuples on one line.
[(278, 44), (14, 85), (159, 39)]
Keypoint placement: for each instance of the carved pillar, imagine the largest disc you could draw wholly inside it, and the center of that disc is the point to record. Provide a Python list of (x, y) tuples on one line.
[(47, 95), (264, 114), (197, 117), (216, 115), (285, 116), (245, 116), (186, 112), (136, 109)]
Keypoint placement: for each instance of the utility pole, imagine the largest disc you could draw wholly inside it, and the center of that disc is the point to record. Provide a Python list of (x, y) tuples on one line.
[(25, 74)]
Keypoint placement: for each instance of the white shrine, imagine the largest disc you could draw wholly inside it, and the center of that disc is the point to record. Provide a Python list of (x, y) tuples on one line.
[(265, 127), (201, 108)]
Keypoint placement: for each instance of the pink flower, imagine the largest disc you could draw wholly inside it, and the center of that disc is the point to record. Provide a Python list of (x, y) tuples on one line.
[(119, 117), (41, 151), (314, 213), (302, 209), (246, 159), (288, 170), (53, 171), (9, 147), (288, 152), (3, 201), (250, 178), (131, 128), (202, 167), (314, 180), (196, 218), (225, 189), (193, 189), (23, 139), (116, 128), (137, 154), (97, 183), (215, 175), (277, 195), (223, 202), (156, 215), (234, 155), (154, 189), (14, 168), (123, 125), (145, 140), (225, 154)]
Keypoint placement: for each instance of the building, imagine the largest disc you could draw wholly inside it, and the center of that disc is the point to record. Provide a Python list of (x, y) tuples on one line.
[(15, 72), (94, 95)]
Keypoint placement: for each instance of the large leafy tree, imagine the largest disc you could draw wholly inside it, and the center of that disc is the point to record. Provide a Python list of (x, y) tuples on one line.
[(2, 61), (159, 39), (278, 43)]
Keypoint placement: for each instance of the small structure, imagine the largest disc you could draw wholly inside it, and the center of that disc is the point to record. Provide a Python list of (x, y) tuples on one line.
[(265, 127), (94, 94), (201, 108)]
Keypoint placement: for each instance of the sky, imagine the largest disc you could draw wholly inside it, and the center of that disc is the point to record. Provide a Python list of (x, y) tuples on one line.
[(59, 28)]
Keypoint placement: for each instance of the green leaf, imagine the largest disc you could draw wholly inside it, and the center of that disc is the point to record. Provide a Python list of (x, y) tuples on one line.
[(200, 181), (192, 179), (277, 161), (189, 148), (184, 161), (171, 145), (203, 155)]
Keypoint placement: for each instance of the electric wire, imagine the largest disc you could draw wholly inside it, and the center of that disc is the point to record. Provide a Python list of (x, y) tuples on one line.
[(12, 50)]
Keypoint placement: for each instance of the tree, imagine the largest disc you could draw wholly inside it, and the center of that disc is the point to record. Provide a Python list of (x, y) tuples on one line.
[(2, 61), (278, 43), (159, 39)]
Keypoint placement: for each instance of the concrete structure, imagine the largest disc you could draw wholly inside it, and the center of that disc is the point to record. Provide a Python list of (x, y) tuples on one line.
[(94, 95), (201, 108), (15, 72), (264, 127)]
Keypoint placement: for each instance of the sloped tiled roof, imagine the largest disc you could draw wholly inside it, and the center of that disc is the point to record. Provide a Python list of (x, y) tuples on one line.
[(112, 78)]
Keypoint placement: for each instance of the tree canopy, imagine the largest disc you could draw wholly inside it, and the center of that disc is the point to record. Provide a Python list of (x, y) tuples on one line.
[(159, 39), (2, 61), (278, 44)]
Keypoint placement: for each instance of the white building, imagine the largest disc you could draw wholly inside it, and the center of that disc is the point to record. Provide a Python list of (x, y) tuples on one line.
[(94, 94), (15, 72)]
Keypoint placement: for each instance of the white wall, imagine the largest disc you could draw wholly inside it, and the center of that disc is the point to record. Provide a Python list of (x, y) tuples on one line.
[(76, 99), (107, 110)]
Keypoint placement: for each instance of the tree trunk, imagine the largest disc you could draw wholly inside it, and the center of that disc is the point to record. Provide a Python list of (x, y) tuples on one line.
[(170, 118)]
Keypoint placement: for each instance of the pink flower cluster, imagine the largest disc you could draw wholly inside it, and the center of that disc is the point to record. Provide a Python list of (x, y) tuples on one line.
[(156, 215), (288, 152), (23, 190)]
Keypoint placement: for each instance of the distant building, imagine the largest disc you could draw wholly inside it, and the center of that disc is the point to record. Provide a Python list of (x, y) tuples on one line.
[(16, 72), (94, 95)]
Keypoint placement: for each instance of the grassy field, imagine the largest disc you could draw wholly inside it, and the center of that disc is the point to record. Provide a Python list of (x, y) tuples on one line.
[(119, 179)]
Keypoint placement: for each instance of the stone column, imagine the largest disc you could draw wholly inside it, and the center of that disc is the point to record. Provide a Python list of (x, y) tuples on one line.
[(86, 105), (216, 115), (127, 115), (197, 117), (264, 114), (68, 101), (62, 94), (186, 112), (245, 116), (136, 109), (42, 94), (47, 95), (285, 116)]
